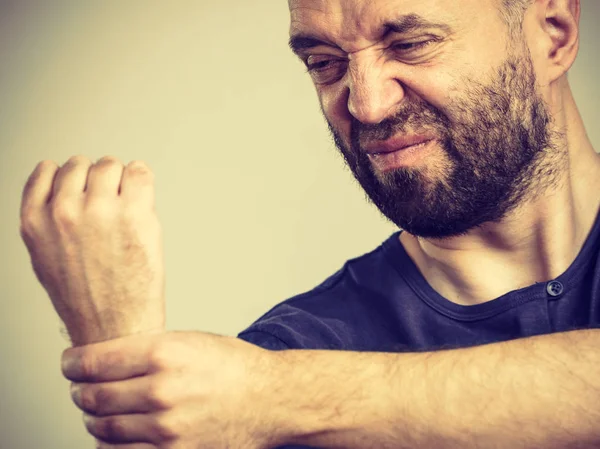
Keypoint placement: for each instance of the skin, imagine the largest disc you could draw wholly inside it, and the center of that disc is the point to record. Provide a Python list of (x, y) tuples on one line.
[(154, 389), (96, 246), (541, 237)]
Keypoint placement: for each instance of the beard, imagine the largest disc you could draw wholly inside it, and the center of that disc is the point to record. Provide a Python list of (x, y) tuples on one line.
[(498, 151)]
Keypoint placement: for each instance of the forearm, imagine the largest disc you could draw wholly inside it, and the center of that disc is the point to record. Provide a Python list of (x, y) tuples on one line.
[(539, 392)]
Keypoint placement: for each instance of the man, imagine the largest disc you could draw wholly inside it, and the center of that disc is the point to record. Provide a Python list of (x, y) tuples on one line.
[(473, 327)]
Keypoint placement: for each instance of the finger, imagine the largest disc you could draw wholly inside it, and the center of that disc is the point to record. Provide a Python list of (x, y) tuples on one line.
[(104, 178), (112, 360), (38, 187), (138, 428), (70, 179), (137, 184), (137, 395)]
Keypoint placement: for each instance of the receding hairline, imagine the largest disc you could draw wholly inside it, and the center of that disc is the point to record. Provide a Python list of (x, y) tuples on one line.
[(511, 9), (512, 13)]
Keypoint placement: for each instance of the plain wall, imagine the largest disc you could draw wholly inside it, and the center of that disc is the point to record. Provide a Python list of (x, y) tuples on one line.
[(255, 203)]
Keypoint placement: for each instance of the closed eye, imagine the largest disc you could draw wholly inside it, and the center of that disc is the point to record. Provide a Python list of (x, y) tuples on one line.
[(325, 69), (320, 65), (412, 46)]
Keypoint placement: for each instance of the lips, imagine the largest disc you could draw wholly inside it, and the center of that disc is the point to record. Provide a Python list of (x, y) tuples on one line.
[(396, 144)]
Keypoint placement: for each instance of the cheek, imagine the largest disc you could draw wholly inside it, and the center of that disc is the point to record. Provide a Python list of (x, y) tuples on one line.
[(543, 79), (334, 105), (434, 86)]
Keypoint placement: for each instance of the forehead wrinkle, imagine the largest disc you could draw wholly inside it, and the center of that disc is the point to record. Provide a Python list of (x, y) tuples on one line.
[(358, 33), (330, 27), (344, 23), (336, 28), (303, 16)]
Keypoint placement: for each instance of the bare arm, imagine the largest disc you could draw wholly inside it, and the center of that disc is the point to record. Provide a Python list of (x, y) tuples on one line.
[(538, 392)]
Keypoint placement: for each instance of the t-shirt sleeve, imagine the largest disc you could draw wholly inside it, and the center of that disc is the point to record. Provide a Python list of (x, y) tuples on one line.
[(264, 340)]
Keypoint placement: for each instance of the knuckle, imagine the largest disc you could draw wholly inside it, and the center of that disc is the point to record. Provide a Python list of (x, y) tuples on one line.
[(78, 159), (64, 213), (111, 428), (27, 227), (87, 399), (160, 355), (114, 358), (46, 165), (159, 394), (109, 159), (32, 181), (140, 171), (102, 398), (27, 219), (87, 366), (139, 167), (108, 163), (92, 424), (165, 427)]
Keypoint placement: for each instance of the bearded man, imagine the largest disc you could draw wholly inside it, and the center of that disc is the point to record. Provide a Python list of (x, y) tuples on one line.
[(473, 326)]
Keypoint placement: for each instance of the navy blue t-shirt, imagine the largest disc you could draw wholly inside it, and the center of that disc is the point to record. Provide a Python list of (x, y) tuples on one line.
[(380, 302)]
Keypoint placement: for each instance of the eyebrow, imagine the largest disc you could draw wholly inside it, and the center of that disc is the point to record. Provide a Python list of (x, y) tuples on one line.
[(412, 22), (401, 25)]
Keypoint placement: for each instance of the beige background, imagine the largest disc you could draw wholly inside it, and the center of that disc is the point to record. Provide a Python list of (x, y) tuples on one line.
[(255, 203)]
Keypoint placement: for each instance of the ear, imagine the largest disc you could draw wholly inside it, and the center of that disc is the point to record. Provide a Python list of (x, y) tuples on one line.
[(561, 26)]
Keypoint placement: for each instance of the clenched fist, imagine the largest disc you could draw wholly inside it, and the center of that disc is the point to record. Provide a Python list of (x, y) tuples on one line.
[(96, 246)]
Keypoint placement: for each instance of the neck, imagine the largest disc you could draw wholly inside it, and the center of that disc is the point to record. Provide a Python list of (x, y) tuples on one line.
[(537, 242)]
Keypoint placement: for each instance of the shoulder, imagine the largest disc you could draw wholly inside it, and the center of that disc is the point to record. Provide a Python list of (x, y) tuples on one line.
[(320, 318)]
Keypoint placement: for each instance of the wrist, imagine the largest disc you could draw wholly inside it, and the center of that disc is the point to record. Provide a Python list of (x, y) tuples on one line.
[(90, 333)]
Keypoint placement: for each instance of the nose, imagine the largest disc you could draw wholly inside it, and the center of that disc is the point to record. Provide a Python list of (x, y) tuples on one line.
[(373, 94)]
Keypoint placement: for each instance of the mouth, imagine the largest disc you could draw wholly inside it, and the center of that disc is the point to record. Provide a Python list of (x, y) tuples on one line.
[(396, 155), (409, 147), (395, 144)]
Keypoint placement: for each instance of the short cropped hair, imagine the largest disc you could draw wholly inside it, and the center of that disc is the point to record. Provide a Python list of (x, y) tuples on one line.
[(512, 12)]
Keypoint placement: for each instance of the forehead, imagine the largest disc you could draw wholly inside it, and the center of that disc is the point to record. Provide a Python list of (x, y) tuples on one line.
[(357, 22)]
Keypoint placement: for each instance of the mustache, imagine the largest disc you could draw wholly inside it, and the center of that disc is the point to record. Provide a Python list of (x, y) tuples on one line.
[(416, 117)]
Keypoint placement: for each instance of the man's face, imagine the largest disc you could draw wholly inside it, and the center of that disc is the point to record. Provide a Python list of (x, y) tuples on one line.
[(434, 108)]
